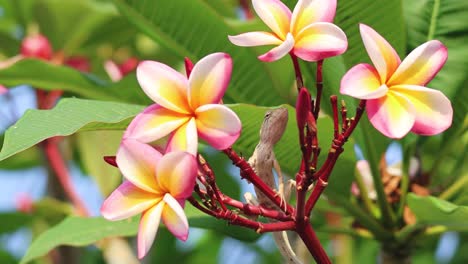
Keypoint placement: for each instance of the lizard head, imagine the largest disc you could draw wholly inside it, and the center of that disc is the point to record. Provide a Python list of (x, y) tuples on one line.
[(274, 124)]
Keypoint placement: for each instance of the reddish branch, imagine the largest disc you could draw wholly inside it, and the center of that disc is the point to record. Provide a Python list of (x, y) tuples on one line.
[(215, 203), (246, 9)]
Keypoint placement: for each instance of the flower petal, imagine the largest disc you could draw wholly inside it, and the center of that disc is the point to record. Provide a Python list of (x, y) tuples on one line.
[(126, 201), (164, 85), (218, 125), (278, 52), (149, 224), (154, 123), (432, 108), (382, 54), (257, 38), (307, 12), (393, 115), (209, 79), (176, 174), (137, 162), (185, 138), (362, 81), (319, 41), (421, 65), (275, 14), (174, 218)]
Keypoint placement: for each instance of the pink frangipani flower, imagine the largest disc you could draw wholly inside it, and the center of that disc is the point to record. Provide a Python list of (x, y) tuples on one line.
[(156, 186), (307, 32), (186, 109), (397, 100)]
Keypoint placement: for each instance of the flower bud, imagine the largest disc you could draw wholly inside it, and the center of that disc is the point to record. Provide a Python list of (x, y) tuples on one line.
[(80, 63), (302, 108), (36, 46), (128, 66)]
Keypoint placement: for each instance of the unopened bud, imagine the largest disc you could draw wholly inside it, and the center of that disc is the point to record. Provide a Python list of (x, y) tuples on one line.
[(128, 66), (36, 46), (302, 108), (111, 160), (79, 62), (188, 66)]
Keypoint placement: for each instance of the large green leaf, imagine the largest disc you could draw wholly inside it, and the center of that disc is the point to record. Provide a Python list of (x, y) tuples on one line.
[(191, 28), (77, 231), (106, 177), (12, 221), (47, 76), (58, 21), (68, 117), (434, 211), (445, 21)]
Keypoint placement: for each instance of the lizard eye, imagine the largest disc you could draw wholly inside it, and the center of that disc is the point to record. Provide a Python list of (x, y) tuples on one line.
[(268, 114)]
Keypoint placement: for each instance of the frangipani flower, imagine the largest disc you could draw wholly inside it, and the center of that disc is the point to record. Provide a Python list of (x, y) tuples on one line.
[(307, 32), (156, 186), (397, 100), (187, 109)]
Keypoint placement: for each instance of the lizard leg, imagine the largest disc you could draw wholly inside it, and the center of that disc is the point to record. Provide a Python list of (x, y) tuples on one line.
[(281, 188)]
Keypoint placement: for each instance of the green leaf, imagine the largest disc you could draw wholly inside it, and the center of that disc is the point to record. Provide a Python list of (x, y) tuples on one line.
[(106, 177), (191, 28), (444, 21), (434, 211), (76, 231), (58, 21), (47, 76), (13, 221), (52, 77), (68, 117)]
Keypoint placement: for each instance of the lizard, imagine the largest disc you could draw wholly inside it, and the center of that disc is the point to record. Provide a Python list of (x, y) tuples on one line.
[(263, 161)]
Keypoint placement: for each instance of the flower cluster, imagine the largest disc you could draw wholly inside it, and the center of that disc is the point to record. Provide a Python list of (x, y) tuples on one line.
[(157, 153), (160, 177)]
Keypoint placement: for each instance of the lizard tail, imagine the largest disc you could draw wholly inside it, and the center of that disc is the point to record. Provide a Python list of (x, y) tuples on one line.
[(282, 241)]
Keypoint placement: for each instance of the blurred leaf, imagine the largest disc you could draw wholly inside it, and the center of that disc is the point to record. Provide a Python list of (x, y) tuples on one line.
[(7, 258), (52, 77), (434, 211), (76, 231), (52, 210), (10, 46), (13, 220), (48, 76), (198, 219), (191, 28), (107, 177), (223, 7), (68, 117), (67, 24), (115, 31)]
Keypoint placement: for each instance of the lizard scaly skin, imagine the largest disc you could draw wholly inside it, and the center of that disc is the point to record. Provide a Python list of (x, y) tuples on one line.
[(263, 162)]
